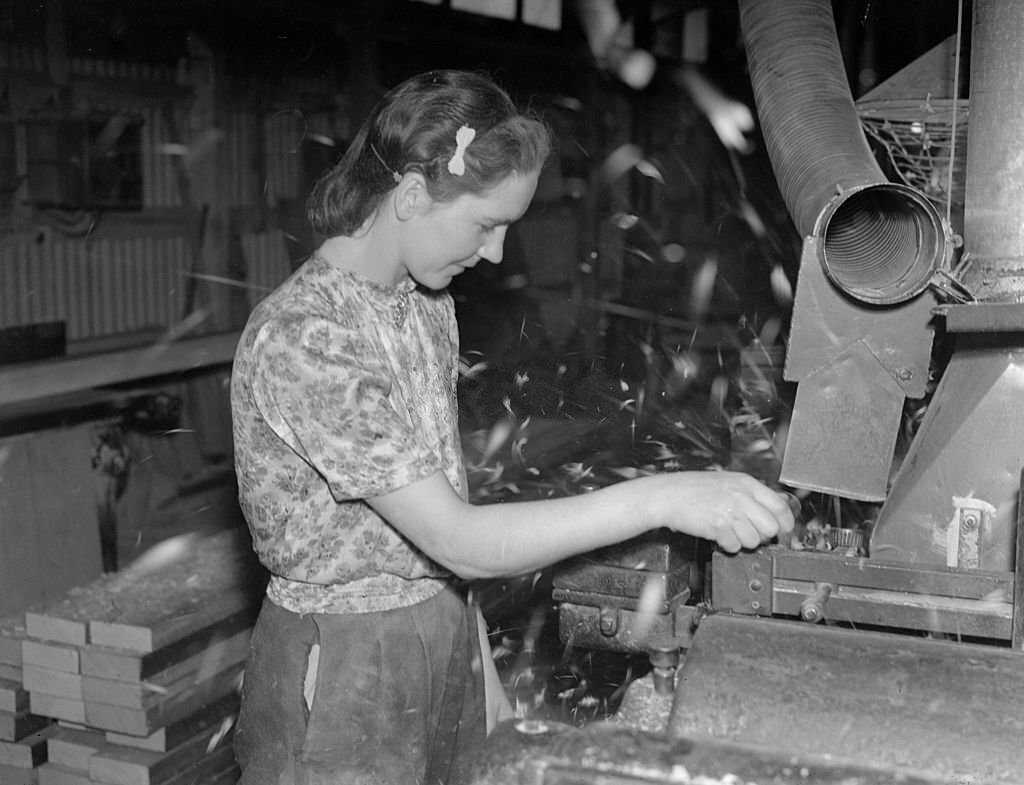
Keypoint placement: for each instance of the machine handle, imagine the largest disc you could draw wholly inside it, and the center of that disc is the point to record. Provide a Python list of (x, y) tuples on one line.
[(812, 609)]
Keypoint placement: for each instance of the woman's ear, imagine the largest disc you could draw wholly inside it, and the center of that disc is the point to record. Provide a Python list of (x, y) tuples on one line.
[(411, 197)]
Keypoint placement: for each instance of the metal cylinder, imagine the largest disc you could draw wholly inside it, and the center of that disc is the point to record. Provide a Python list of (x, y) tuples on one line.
[(995, 167), (882, 243)]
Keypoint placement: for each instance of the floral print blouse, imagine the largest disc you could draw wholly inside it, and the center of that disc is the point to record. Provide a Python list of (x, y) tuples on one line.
[(343, 389)]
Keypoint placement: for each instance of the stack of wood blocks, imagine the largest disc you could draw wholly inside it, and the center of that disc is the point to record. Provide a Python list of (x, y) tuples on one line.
[(141, 669), (23, 735)]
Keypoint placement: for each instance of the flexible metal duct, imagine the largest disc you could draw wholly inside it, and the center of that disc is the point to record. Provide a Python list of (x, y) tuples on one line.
[(879, 241)]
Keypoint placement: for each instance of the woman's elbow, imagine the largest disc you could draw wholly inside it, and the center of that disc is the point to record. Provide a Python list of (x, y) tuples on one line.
[(469, 569)]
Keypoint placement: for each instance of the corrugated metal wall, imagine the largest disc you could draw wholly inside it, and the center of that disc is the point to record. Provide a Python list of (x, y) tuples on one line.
[(267, 263), (284, 132), (103, 287), (241, 144), (159, 175), (98, 288)]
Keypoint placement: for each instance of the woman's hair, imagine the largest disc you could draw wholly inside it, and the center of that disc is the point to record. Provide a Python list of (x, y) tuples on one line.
[(412, 129)]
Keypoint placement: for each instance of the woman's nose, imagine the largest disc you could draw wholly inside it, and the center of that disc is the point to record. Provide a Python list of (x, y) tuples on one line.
[(494, 249)]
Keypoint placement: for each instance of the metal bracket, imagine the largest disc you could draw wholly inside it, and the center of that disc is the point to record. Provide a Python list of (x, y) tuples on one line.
[(742, 583)]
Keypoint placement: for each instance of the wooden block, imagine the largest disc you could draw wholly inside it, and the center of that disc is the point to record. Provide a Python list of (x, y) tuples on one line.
[(56, 707), (14, 775), (182, 584), (219, 712), (71, 749), (10, 673), (115, 765), (50, 682), (143, 722), (145, 635), (27, 753), (17, 726), (178, 677), (13, 696), (123, 665), (55, 656), (12, 633), (179, 586), (52, 774), (66, 618), (50, 626)]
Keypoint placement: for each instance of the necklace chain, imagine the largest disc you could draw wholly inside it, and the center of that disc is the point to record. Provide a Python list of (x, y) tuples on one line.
[(400, 309)]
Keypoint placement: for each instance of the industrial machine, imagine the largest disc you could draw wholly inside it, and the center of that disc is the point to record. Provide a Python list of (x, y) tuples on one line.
[(899, 657)]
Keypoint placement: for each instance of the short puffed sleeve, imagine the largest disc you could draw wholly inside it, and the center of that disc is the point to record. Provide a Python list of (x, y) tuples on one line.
[(326, 391)]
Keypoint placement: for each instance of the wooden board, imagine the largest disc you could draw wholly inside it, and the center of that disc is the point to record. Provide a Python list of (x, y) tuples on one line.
[(180, 585), (53, 626), (12, 633), (71, 748), (28, 381), (26, 753), (13, 696), (52, 774), (123, 665), (17, 726), (60, 684), (178, 732), (115, 765), (54, 706), (14, 775), (145, 634), (173, 680), (143, 722), (10, 673), (54, 656)]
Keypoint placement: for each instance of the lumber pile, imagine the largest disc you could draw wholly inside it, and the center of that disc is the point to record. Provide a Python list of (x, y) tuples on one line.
[(22, 734), (134, 678)]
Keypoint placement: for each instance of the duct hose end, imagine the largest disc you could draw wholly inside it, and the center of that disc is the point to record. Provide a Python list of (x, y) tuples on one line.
[(882, 243)]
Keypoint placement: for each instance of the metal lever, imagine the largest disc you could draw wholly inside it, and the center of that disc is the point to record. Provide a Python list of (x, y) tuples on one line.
[(812, 609)]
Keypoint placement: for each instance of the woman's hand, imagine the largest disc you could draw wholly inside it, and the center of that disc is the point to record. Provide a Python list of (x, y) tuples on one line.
[(732, 509)]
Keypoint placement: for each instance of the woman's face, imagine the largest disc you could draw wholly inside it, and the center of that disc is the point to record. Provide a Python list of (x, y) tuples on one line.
[(450, 237)]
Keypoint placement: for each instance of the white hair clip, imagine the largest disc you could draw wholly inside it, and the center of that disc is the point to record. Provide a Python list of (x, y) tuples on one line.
[(457, 164), (394, 174)]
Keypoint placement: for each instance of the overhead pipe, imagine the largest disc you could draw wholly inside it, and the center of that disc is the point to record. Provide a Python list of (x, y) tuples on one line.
[(880, 242), (860, 336)]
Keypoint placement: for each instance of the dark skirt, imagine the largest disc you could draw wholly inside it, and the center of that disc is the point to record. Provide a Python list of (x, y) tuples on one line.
[(396, 697)]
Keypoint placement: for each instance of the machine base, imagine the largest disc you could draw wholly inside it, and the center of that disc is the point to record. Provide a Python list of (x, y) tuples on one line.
[(531, 752), (952, 710)]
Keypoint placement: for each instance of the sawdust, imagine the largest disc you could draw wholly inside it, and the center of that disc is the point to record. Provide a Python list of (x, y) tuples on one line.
[(175, 578)]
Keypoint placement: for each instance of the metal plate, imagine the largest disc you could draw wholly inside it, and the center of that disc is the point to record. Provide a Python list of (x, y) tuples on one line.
[(949, 709)]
